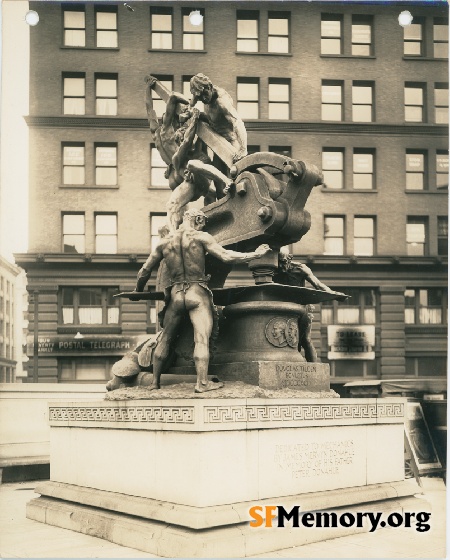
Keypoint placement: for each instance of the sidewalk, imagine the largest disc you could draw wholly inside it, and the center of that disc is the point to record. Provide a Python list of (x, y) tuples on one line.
[(23, 538)]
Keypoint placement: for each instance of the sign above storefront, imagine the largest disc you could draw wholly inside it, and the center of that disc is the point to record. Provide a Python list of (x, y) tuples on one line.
[(351, 342), (89, 344)]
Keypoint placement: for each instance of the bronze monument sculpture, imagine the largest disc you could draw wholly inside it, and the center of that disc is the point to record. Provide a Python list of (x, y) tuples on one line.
[(253, 214)]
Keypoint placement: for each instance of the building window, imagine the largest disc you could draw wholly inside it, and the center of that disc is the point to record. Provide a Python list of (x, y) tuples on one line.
[(152, 316), (157, 169), (157, 221), (332, 101), (74, 27), (106, 233), (362, 102), (106, 94), (73, 233), (442, 224), (415, 170), (364, 236), (333, 168), (282, 150), (89, 306), (441, 103), (416, 236), (413, 39), (106, 164), (441, 169), (362, 36), (359, 309), (193, 35), (331, 34), (363, 169), (74, 94), (161, 28), (106, 27), (159, 106), (279, 95), (440, 39), (248, 98), (187, 92), (425, 306), (87, 370), (278, 33), (414, 102), (247, 31), (254, 149), (73, 163), (334, 235)]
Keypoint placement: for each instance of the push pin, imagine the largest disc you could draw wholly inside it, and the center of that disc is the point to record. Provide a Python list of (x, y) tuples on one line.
[(128, 7)]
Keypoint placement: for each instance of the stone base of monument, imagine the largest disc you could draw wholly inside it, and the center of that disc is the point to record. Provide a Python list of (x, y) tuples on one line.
[(177, 478)]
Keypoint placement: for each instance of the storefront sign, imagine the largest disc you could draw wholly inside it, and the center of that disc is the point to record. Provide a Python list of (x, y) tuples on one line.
[(89, 344), (351, 342)]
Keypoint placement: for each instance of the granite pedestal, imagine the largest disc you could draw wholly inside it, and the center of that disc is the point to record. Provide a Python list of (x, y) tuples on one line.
[(178, 477)]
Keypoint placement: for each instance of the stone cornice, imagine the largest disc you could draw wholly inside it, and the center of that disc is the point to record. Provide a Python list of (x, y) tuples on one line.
[(42, 260), (378, 129)]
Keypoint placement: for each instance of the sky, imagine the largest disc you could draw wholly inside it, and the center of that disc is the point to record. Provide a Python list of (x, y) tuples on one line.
[(13, 128)]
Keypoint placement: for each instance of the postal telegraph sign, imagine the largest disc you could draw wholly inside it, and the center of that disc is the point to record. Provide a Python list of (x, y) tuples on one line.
[(351, 342), (64, 344)]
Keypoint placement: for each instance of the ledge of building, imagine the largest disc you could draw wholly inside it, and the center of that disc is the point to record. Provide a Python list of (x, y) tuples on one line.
[(39, 260), (260, 125)]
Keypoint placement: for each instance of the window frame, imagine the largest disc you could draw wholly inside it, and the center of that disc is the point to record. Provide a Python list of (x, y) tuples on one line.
[(361, 304), (417, 306), (64, 235), (415, 85), (421, 42), (248, 15), (325, 17), (253, 81), (284, 16), (96, 166), (153, 185), (370, 86), (73, 75), (166, 11), (362, 20), (424, 173), (185, 12), (159, 106), (76, 306), (108, 363), (442, 238), (63, 164), (366, 152), (444, 23), (441, 153), (326, 169), (111, 77), (73, 8), (110, 9), (155, 236), (343, 237), (418, 220), (98, 235), (373, 237), (444, 87), (332, 83), (282, 82)]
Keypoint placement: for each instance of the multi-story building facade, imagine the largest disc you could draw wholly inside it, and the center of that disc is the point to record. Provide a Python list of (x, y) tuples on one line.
[(340, 85), (13, 303)]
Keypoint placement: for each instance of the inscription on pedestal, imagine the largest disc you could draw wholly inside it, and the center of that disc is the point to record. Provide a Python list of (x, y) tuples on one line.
[(305, 460), (301, 376)]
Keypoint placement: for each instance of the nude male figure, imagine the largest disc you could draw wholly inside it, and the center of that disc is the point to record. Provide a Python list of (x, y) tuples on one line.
[(222, 115), (189, 168), (184, 254)]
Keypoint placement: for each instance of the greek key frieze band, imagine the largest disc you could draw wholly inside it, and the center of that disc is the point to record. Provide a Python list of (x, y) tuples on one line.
[(165, 414), (274, 413)]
